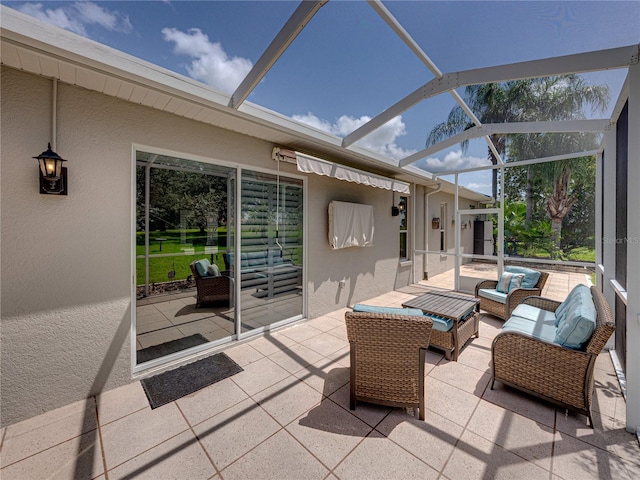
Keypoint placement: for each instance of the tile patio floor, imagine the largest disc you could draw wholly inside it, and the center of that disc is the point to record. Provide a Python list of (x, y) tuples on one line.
[(286, 416)]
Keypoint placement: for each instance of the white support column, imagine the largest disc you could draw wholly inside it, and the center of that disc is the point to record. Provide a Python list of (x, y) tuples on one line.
[(456, 237), (609, 216), (500, 246), (633, 254)]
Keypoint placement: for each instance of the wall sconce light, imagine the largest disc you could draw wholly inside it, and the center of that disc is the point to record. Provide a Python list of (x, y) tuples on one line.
[(402, 206), (395, 211), (53, 176)]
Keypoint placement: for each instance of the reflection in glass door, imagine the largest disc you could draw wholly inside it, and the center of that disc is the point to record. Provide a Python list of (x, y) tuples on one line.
[(183, 209), (271, 250)]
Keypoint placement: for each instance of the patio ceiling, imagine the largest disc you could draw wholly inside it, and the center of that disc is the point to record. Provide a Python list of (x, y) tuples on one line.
[(76, 60)]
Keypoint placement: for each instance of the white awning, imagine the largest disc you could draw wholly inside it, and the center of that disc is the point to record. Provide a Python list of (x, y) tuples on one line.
[(309, 164)]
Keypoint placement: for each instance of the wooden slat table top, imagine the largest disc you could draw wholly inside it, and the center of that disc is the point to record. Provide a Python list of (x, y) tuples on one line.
[(443, 304)]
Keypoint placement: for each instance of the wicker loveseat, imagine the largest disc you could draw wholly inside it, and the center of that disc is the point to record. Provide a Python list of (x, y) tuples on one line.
[(387, 358), (211, 289), (549, 349), (502, 304)]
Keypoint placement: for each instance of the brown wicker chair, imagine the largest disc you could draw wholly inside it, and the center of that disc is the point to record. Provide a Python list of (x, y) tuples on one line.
[(212, 290), (387, 359), (549, 371), (514, 298)]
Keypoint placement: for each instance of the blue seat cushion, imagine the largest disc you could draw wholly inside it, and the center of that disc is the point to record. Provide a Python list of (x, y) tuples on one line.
[(541, 330), (535, 314), (531, 277), (202, 267), (493, 294)]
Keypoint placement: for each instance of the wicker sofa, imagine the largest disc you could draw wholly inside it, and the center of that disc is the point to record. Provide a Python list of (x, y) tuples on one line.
[(502, 305), (211, 289), (545, 348), (388, 358)]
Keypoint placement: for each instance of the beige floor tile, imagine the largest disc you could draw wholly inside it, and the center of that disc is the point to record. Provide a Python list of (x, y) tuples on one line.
[(575, 459), (325, 344), (288, 399), (516, 433), (521, 403), (377, 458), (272, 343), (199, 326), (47, 430), (244, 354), (121, 401), (603, 362), (159, 323), (449, 401), (279, 457), (431, 440), (78, 458), (340, 332), (369, 413), (329, 432), (477, 458), (324, 376), (259, 375), (210, 401), (325, 323), (300, 333), (609, 434), (234, 432), (476, 356), (140, 431), (180, 457), (461, 376), (296, 357)]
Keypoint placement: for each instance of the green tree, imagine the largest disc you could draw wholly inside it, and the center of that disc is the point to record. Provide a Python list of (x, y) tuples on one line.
[(550, 98)]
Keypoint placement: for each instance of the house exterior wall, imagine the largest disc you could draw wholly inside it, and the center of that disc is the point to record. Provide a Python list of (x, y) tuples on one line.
[(66, 278)]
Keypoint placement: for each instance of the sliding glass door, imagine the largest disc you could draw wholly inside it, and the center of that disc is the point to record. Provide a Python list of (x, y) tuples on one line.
[(197, 285)]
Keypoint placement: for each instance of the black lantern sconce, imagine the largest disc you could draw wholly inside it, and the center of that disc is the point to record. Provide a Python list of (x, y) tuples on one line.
[(402, 206), (53, 176)]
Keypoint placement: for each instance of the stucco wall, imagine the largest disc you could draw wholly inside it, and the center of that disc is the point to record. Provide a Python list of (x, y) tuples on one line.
[(66, 276)]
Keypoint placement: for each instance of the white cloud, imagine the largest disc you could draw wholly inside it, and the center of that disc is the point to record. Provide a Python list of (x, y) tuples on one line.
[(453, 160), (210, 63), (74, 17), (382, 140)]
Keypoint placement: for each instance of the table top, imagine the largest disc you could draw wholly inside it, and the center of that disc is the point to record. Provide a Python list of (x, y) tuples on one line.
[(443, 304)]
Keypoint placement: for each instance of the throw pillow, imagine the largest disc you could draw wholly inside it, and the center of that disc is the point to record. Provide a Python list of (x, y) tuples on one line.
[(509, 281), (213, 270)]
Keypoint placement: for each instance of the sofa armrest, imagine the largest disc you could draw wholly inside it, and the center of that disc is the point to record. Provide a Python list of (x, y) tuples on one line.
[(544, 368), (542, 303), (485, 284)]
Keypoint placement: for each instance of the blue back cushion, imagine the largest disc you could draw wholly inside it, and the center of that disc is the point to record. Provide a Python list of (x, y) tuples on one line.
[(577, 321), (202, 267), (531, 277)]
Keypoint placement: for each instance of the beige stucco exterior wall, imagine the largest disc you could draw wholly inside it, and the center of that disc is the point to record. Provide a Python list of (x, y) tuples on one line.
[(66, 276)]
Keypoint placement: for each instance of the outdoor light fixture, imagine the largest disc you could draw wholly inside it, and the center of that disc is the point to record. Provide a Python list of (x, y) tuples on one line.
[(395, 211), (53, 176)]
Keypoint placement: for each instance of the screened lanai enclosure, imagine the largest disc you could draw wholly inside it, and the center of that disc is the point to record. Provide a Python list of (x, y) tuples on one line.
[(524, 153)]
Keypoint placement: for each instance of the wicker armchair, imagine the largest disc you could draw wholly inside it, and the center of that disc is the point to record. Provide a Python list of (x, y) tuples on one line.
[(387, 359), (212, 290), (514, 298), (547, 370)]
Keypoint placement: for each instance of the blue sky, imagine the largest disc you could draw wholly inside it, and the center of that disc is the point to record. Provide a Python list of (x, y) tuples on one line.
[(347, 65)]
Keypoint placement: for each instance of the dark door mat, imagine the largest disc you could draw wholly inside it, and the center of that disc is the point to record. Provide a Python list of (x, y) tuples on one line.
[(174, 384), (167, 348)]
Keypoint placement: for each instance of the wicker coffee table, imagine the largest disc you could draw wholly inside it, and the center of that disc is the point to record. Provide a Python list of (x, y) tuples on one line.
[(461, 309)]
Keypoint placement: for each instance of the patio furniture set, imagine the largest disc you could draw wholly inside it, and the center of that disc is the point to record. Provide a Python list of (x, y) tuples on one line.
[(545, 348)]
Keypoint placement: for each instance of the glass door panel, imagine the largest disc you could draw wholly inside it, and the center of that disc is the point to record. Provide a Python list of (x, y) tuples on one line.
[(271, 250), (182, 212)]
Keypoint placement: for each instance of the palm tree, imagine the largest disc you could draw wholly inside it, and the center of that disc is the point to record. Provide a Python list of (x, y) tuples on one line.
[(561, 97)]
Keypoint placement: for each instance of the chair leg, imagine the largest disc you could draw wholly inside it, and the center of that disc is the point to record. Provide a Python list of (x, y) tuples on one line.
[(352, 376)]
